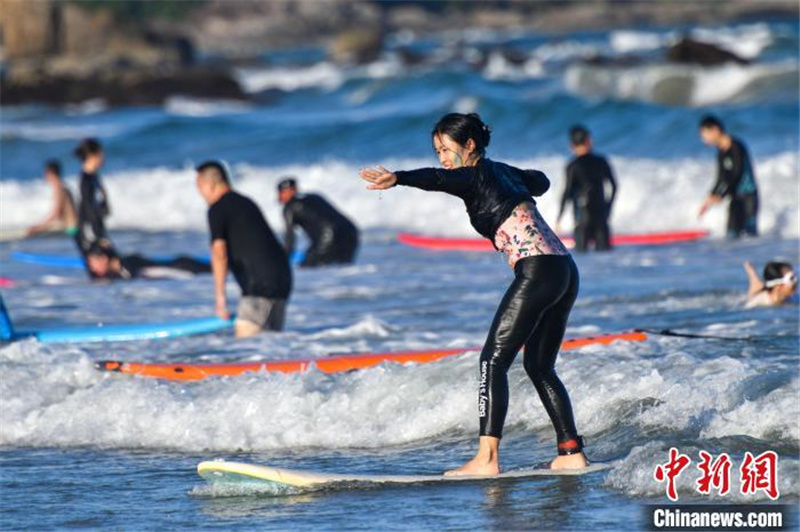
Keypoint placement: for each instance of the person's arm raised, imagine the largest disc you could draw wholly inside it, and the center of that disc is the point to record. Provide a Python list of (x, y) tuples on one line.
[(379, 178), (756, 285), (455, 181)]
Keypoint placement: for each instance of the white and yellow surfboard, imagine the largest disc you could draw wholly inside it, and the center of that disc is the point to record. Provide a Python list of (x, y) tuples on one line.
[(238, 473)]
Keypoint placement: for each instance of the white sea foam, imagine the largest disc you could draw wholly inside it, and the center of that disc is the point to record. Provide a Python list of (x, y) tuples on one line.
[(187, 106), (324, 74), (53, 398), (681, 84), (166, 199)]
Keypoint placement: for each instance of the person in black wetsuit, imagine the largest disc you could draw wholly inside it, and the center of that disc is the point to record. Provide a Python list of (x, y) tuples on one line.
[(105, 264), (735, 179), (534, 311), (94, 207), (241, 239), (334, 238), (587, 177)]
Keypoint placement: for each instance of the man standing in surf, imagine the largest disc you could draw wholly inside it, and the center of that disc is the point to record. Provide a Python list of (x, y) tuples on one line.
[(242, 241), (534, 311), (735, 179)]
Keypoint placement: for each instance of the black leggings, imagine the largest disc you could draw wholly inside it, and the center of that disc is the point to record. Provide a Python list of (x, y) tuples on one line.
[(533, 313)]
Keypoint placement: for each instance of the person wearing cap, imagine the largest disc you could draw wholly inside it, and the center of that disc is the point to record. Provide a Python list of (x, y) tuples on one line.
[(242, 241), (63, 216), (779, 284), (588, 175), (334, 238), (735, 179)]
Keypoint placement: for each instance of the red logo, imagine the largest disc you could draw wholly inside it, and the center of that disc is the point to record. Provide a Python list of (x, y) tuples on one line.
[(671, 470), (760, 473), (716, 474)]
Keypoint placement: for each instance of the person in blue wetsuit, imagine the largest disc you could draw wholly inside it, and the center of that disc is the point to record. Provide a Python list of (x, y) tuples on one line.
[(534, 311), (735, 179)]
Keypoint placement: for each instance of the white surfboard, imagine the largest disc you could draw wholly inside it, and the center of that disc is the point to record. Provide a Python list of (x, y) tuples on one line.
[(279, 479)]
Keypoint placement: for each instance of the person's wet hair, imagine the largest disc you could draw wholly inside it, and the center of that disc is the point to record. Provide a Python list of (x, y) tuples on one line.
[(710, 122), (461, 128), (96, 250), (87, 147), (578, 135), (53, 166), (775, 270), (288, 182), (215, 170)]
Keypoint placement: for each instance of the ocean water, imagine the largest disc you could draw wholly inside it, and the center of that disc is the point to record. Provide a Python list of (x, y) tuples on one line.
[(83, 450)]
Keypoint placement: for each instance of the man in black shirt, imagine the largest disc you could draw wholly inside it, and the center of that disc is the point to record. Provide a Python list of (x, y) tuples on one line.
[(735, 179), (242, 240), (334, 238), (587, 176)]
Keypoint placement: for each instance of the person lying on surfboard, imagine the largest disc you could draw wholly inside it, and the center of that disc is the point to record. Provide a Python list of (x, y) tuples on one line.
[(534, 311), (107, 265)]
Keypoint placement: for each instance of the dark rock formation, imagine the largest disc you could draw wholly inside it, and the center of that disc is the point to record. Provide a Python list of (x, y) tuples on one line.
[(689, 51), (135, 87)]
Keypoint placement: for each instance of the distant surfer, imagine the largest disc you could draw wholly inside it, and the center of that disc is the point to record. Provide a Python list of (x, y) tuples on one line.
[(588, 176), (105, 264), (63, 216), (334, 238), (242, 240), (779, 284), (534, 311), (94, 206), (735, 179)]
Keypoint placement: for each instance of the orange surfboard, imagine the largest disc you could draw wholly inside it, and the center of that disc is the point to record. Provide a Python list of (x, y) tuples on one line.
[(332, 364)]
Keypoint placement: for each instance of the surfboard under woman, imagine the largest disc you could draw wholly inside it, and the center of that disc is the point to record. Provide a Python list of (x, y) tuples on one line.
[(534, 311)]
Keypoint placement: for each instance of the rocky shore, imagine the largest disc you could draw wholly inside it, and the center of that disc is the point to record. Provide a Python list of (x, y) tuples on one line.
[(61, 52)]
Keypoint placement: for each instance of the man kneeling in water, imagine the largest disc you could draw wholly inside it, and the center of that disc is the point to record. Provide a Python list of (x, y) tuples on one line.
[(105, 264), (779, 284)]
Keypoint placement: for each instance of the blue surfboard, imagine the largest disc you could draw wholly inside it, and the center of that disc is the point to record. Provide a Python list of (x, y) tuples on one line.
[(112, 333), (61, 261)]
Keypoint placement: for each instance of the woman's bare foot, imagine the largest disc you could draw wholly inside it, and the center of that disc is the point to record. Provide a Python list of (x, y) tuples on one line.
[(570, 461), (486, 461)]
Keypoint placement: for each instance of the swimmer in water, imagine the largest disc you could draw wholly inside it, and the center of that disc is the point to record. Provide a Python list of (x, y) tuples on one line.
[(334, 238), (735, 179), (534, 311), (779, 284)]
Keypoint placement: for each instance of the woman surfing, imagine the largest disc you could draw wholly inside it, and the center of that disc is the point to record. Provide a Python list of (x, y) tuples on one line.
[(534, 311)]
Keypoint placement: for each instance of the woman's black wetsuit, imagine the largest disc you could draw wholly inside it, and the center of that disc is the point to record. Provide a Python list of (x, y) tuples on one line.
[(534, 310)]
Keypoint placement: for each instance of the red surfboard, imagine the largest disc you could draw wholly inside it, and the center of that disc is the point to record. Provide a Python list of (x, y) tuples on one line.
[(481, 244), (333, 364)]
